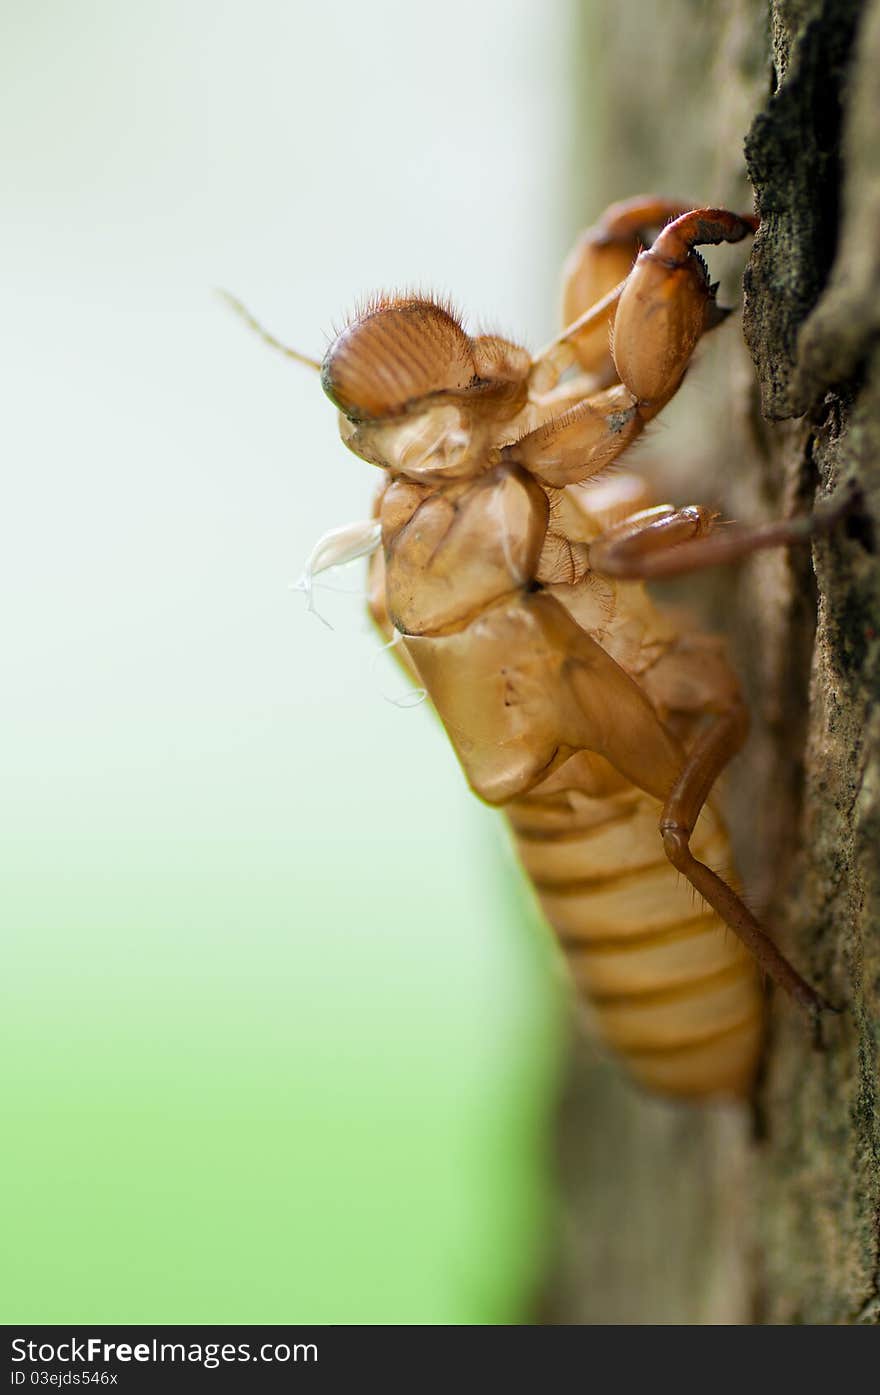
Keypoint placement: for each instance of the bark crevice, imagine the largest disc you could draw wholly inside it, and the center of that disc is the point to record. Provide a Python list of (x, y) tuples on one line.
[(772, 1216)]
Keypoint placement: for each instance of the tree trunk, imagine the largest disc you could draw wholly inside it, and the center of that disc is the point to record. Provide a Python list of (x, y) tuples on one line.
[(769, 1212)]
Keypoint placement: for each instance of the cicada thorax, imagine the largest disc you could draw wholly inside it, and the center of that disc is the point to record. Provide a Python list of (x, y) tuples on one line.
[(453, 550)]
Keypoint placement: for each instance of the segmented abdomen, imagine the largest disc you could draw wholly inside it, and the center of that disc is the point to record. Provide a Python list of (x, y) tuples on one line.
[(668, 985)]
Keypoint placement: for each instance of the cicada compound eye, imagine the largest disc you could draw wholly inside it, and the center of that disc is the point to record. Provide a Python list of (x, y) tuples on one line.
[(395, 352), (498, 361)]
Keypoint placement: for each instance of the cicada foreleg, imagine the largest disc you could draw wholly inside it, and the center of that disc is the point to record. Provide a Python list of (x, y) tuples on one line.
[(599, 263), (583, 440), (668, 303), (656, 303), (658, 313)]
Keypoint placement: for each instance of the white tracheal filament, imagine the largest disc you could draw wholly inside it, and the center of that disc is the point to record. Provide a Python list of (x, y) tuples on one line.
[(335, 549), (416, 696)]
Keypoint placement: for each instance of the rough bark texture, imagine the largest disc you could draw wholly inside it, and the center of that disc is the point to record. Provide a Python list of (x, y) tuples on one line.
[(770, 1212)]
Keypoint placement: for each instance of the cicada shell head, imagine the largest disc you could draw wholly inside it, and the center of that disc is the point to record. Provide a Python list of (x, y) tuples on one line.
[(419, 396), (395, 352), (503, 369)]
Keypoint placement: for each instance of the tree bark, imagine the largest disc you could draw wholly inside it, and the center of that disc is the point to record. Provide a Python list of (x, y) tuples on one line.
[(768, 1212)]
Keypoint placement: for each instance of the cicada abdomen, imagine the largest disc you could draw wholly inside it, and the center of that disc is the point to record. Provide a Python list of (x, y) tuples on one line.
[(668, 986)]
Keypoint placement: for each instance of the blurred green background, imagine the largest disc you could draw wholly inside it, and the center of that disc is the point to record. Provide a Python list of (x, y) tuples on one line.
[(281, 1032)]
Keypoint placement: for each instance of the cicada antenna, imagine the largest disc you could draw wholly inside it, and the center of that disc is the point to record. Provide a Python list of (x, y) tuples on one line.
[(250, 320)]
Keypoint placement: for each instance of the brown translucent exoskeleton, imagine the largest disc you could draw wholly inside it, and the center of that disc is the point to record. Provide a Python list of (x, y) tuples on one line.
[(513, 571)]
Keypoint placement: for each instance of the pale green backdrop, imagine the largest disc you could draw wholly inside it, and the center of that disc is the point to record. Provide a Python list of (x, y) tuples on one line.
[(280, 1034)]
